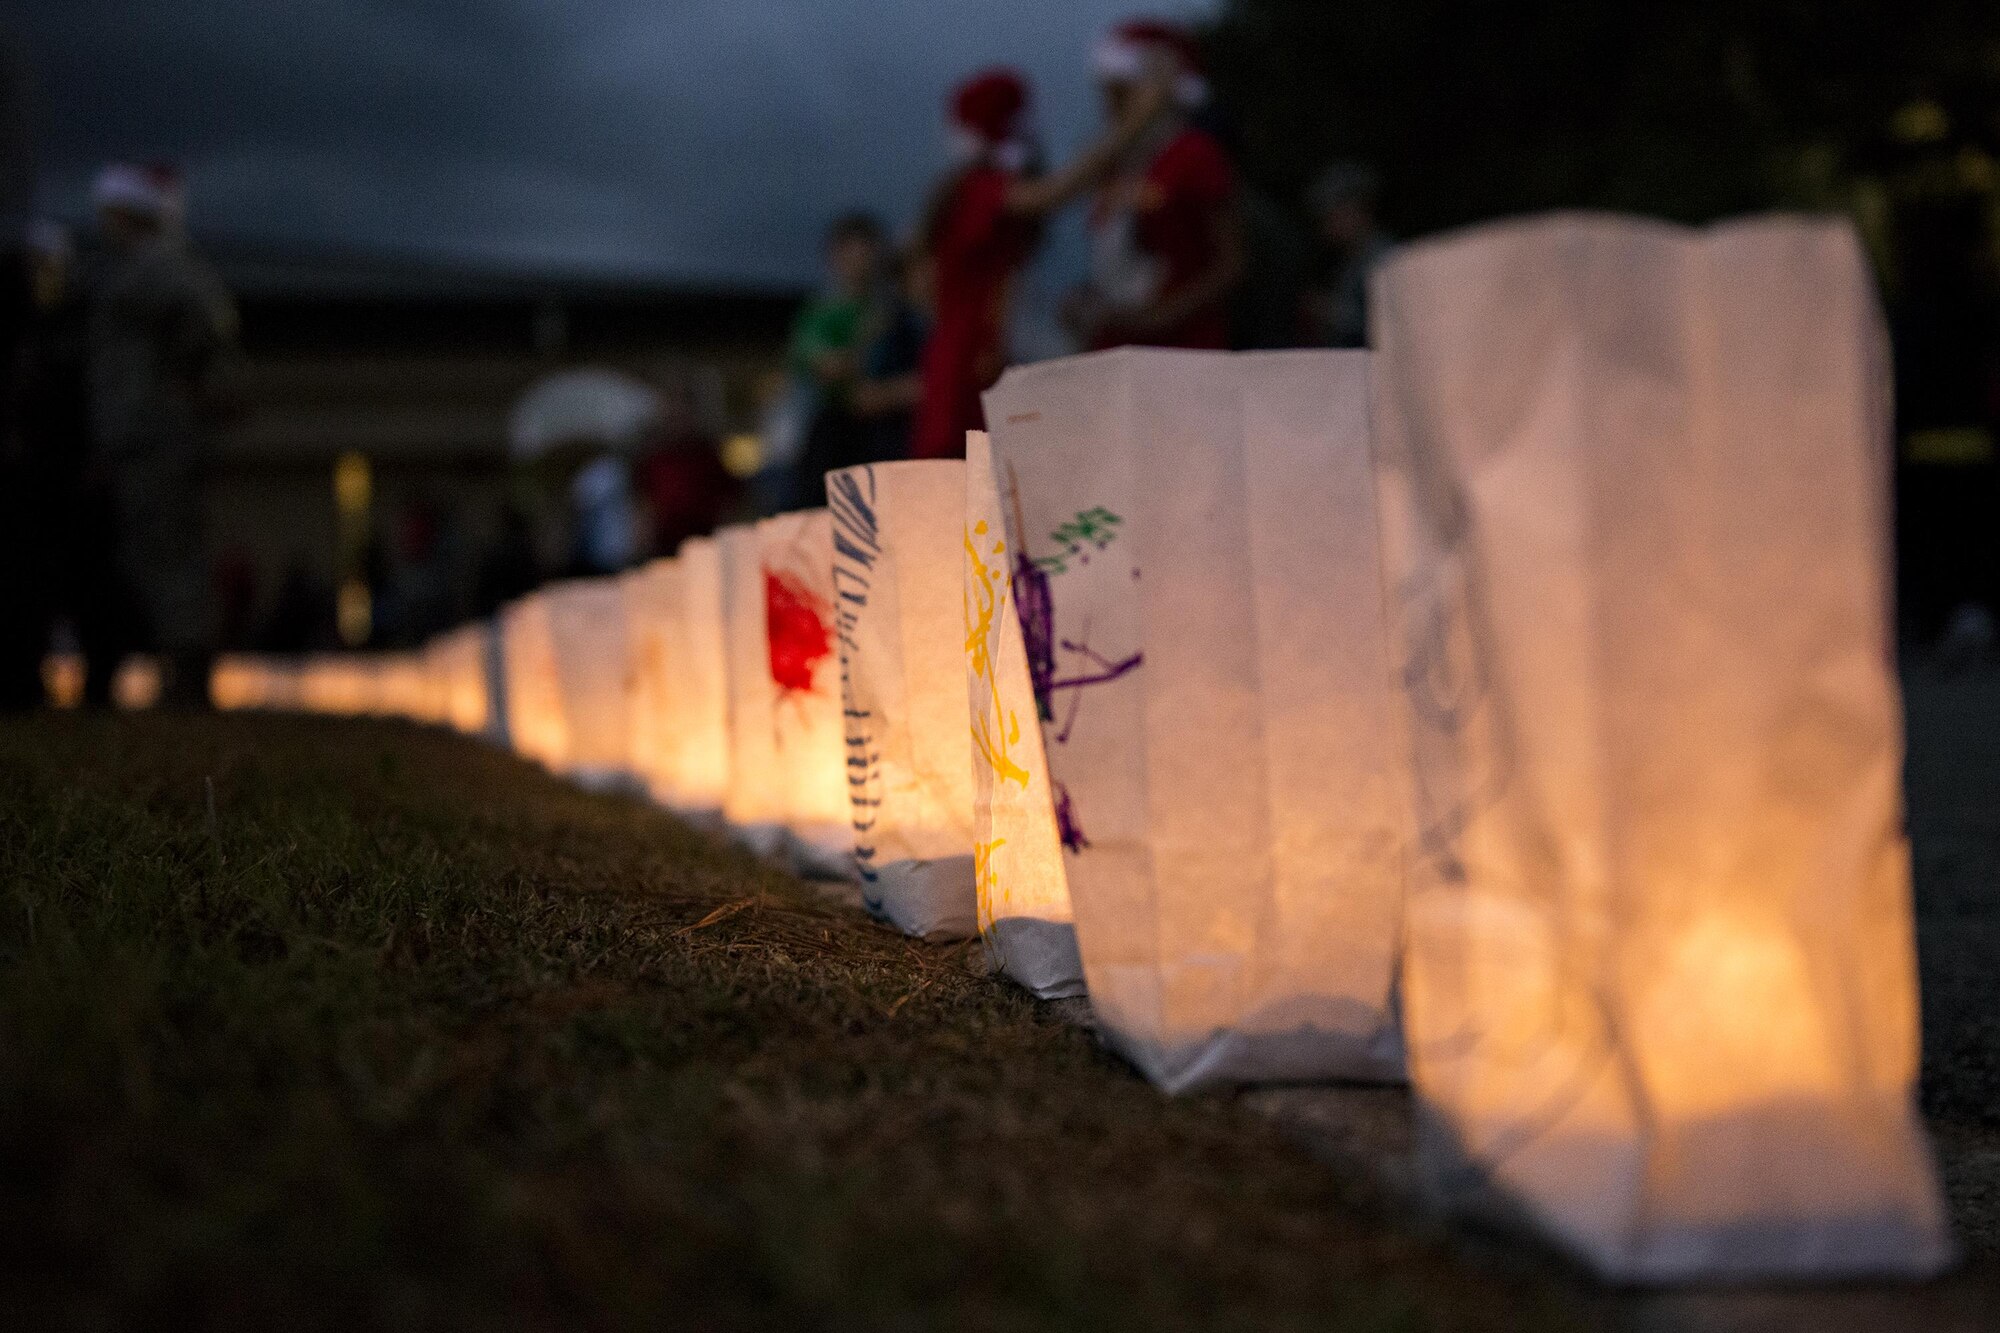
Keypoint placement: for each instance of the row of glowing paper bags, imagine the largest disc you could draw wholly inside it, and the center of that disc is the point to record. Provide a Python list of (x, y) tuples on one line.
[(1510, 706)]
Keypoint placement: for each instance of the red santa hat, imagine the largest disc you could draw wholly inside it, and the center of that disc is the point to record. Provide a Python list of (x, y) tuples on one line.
[(1136, 46), (990, 104), (989, 111)]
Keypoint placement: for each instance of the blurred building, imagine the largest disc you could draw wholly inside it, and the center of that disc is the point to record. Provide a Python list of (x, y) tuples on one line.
[(389, 383)]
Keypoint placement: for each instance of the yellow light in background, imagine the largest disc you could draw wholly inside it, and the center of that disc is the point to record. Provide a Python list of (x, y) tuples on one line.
[(355, 612), (743, 455), (353, 496), (62, 679), (353, 485)]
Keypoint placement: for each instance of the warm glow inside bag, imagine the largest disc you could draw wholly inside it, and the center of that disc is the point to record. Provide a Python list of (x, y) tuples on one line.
[(1660, 985), (754, 804), (697, 697), (1199, 582), (587, 628), (536, 727), (648, 679), (803, 663), (243, 680), (678, 679), (897, 532), (1020, 886), (458, 659)]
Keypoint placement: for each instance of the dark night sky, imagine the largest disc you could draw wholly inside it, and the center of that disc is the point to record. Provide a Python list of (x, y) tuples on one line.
[(680, 139)]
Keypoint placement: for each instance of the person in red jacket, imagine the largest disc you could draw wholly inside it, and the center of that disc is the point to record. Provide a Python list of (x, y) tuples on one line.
[(1166, 245), (980, 228)]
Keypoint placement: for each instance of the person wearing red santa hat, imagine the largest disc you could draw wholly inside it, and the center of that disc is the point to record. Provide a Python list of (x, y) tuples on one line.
[(979, 229), (1166, 246)]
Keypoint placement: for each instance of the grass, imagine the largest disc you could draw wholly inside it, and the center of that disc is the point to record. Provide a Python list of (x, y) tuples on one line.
[(309, 1024)]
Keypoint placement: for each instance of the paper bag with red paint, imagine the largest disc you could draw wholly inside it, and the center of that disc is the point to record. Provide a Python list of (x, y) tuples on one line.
[(1660, 983), (1197, 575), (754, 800), (795, 552)]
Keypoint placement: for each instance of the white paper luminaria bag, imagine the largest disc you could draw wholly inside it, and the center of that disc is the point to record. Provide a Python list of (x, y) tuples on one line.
[(1202, 604), (457, 660), (754, 804), (587, 628), (678, 679), (1660, 983), (897, 578), (648, 678), (1020, 885), (697, 697), (536, 727), (804, 671), (245, 680)]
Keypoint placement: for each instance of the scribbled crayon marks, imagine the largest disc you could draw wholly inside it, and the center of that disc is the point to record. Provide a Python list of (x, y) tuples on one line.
[(857, 547), (1067, 827), (996, 731), (1034, 606), (1092, 529), (1097, 670), (796, 623)]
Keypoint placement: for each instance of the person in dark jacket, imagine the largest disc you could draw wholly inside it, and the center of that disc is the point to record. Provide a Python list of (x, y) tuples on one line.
[(161, 328)]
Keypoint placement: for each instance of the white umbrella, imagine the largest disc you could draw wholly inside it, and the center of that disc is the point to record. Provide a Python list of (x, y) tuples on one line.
[(592, 405)]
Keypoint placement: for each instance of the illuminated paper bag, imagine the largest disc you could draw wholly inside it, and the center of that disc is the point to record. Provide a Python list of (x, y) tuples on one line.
[(458, 660), (803, 662), (536, 726), (678, 679), (242, 681), (1020, 886), (1660, 980), (898, 529), (1199, 580), (587, 626), (400, 684), (697, 699), (754, 802), (648, 682), (338, 684)]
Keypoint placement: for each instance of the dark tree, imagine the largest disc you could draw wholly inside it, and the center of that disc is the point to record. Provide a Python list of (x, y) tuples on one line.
[(1474, 108)]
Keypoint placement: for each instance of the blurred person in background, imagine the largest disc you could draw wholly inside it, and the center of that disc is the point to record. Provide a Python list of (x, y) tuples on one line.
[(162, 328), (1270, 308), (1343, 201), (827, 342), (301, 618), (682, 482), (74, 506), (980, 227), (604, 517), (1166, 241), (891, 384), (24, 621), (512, 565), (419, 595)]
